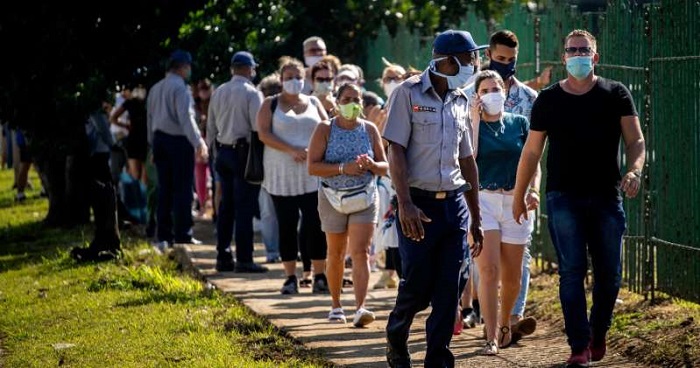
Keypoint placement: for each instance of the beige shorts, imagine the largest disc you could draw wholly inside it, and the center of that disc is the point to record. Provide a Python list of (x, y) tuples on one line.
[(333, 221)]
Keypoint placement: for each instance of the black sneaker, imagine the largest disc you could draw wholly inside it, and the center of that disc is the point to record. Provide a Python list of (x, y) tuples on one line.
[(291, 286), (225, 264), (320, 284), (250, 267), (398, 359)]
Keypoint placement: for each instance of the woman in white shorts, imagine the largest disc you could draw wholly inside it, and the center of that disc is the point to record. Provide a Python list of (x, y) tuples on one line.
[(499, 138)]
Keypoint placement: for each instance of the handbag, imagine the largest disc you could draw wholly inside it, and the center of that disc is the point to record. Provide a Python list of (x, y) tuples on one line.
[(254, 171), (351, 200)]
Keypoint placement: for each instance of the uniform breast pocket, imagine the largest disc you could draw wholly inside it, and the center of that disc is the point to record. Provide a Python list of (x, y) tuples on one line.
[(426, 130)]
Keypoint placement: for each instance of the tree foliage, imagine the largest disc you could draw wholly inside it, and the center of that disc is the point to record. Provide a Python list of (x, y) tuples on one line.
[(273, 28)]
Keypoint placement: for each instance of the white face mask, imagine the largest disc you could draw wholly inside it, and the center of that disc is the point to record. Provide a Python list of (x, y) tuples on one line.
[(293, 86), (493, 102), (390, 87), (139, 93), (323, 88), (454, 81), (312, 60)]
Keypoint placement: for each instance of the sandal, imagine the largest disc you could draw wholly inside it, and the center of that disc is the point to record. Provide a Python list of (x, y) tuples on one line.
[(337, 315), (505, 331), (347, 283), (489, 349)]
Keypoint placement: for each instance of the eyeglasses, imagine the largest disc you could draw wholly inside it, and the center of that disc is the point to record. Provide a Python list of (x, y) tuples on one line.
[(583, 50), (320, 79)]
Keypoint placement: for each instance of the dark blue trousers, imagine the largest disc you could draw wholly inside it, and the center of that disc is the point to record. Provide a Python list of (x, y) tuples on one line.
[(238, 201), (174, 159), (431, 273)]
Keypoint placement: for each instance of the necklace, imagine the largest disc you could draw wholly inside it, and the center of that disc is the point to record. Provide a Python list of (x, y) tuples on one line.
[(500, 130)]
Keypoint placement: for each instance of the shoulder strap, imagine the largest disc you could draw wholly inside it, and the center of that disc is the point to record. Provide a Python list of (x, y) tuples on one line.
[(273, 103)]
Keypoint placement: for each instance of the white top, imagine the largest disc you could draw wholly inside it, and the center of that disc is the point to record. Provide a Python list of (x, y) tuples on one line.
[(283, 175)]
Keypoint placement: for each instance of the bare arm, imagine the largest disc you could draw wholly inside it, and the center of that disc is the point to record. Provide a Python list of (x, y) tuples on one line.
[(378, 166), (635, 151), (317, 149), (410, 216), (528, 167), (114, 117)]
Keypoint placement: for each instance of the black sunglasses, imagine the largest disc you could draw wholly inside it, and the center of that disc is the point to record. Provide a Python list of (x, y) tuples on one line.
[(320, 79), (583, 50)]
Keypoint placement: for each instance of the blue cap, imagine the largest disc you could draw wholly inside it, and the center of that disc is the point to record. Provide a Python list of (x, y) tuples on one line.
[(243, 58), (452, 42), (180, 57)]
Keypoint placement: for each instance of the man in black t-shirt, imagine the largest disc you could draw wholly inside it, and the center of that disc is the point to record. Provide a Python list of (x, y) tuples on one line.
[(583, 118)]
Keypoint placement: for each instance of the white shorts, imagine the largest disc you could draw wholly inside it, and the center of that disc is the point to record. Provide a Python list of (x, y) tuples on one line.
[(497, 214)]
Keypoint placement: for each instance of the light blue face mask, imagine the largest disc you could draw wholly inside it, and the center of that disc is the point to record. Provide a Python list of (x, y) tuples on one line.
[(454, 81), (579, 66)]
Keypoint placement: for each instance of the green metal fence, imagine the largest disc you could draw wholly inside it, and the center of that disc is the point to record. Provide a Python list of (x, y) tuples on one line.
[(653, 49)]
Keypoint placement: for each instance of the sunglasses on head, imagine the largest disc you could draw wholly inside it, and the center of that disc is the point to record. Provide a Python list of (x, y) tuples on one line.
[(584, 50), (321, 79)]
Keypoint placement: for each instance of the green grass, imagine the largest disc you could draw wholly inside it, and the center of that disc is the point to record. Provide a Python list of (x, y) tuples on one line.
[(664, 333), (138, 312)]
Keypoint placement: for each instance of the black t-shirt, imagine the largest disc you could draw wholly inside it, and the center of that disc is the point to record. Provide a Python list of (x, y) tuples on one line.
[(584, 133)]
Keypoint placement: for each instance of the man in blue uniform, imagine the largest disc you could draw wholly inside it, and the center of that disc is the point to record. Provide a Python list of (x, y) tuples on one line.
[(433, 170)]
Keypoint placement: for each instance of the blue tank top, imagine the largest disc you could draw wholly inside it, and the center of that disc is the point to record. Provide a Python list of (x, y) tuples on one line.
[(500, 146), (344, 146)]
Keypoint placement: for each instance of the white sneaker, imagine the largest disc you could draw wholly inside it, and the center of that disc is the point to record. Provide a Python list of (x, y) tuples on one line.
[(336, 315), (363, 317)]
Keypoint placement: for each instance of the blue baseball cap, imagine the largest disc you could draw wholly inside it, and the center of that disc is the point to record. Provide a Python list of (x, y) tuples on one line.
[(243, 58), (180, 57), (452, 42)]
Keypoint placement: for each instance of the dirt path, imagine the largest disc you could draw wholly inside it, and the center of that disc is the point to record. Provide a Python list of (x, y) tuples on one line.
[(303, 316)]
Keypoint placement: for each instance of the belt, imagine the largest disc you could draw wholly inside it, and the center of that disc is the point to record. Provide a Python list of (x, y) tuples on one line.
[(221, 145), (438, 195), (238, 141)]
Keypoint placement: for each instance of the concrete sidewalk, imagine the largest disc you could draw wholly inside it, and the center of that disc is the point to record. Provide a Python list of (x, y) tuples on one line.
[(303, 316)]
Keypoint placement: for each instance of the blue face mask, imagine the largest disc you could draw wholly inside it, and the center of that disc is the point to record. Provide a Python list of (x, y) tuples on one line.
[(579, 66), (505, 70), (453, 81)]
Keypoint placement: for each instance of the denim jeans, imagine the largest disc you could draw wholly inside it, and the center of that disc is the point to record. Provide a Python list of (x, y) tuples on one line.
[(519, 307), (268, 225), (431, 277), (580, 222)]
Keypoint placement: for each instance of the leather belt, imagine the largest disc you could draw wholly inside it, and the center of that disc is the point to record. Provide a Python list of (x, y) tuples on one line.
[(438, 195)]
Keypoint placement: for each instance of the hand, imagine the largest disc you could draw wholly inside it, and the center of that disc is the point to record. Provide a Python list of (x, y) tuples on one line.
[(299, 154), (532, 200), (376, 115), (202, 153), (475, 108), (631, 184), (519, 209), (364, 162), (412, 218), (477, 236), (545, 77), (354, 168)]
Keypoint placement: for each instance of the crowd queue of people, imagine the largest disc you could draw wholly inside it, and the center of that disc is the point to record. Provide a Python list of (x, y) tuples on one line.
[(441, 176)]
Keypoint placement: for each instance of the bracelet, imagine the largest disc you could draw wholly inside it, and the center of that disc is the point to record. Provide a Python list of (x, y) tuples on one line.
[(533, 190), (341, 168), (637, 173)]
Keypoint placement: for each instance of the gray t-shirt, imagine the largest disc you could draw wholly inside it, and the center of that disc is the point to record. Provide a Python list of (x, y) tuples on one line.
[(435, 133)]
